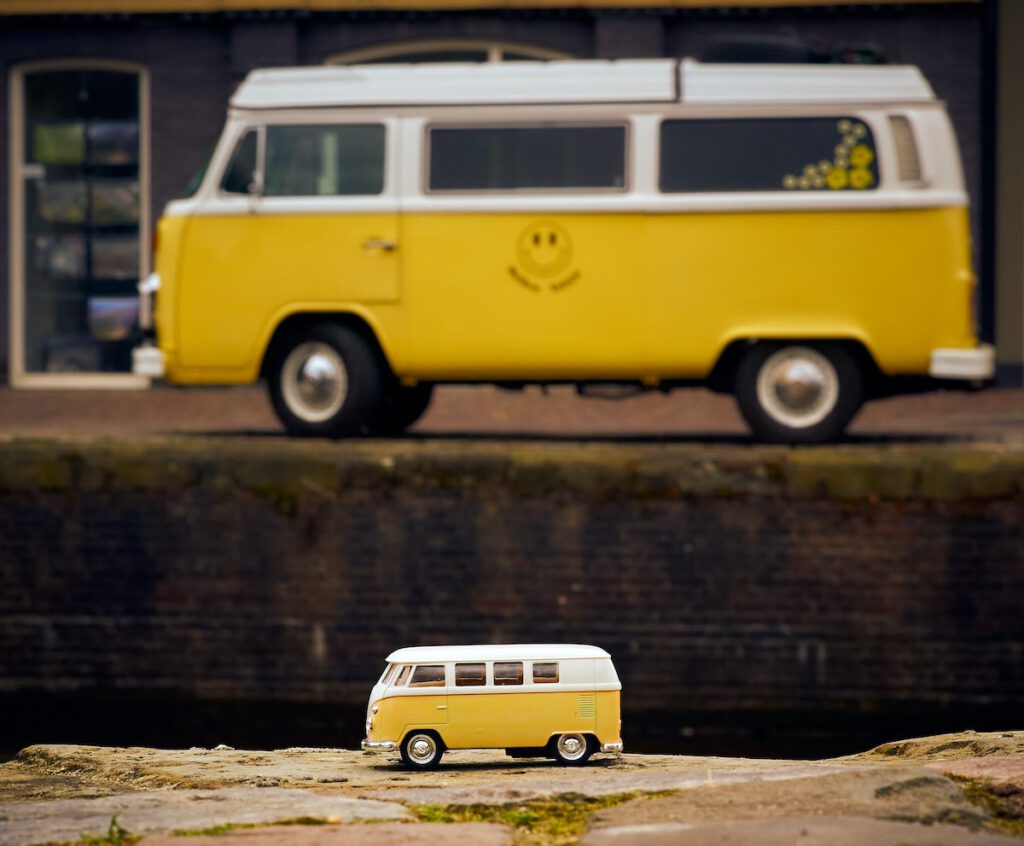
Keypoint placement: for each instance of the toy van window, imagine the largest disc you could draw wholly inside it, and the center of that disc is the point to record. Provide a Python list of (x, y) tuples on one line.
[(768, 154), (470, 675), (428, 676), (545, 673), (389, 671), (239, 173), (508, 672), (527, 158), (324, 161), (403, 676)]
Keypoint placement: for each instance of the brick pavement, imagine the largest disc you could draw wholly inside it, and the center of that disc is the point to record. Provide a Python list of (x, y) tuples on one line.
[(996, 414)]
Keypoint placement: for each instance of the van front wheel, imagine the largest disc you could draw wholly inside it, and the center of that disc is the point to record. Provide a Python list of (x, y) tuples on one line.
[(799, 393), (324, 382), (572, 749), (422, 750)]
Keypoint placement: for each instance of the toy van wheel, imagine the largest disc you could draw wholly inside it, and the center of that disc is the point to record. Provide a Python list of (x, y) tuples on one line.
[(422, 750), (400, 407), (571, 749), (324, 382), (798, 393)]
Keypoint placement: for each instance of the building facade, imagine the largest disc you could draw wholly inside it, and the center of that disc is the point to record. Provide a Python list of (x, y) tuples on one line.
[(110, 106)]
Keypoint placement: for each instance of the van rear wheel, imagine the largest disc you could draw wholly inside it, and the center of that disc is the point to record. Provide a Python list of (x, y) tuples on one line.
[(422, 750), (324, 382), (572, 749), (798, 393)]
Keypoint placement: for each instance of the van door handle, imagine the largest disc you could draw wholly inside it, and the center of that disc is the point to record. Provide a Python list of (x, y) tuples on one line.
[(442, 707), (379, 244)]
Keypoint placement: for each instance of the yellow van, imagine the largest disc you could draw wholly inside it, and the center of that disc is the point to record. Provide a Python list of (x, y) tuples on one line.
[(558, 701), (795, 235)]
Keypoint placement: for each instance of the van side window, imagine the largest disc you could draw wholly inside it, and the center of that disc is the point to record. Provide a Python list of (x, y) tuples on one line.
[(545, 673), (768, 154), (508, 672), (319, 161), (403, 676), (533, 157), (470, 675), (239, 172), (428, 676)]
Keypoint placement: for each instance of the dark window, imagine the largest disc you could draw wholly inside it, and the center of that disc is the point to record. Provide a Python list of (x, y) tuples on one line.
[(428, 676), (510, 158), (508, 672), (403, 676), (470, 675), (238, 176), (768, 154), (545, 673), (319, 161)]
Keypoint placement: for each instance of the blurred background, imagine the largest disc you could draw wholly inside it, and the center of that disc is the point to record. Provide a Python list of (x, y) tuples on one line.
[(173, 572)]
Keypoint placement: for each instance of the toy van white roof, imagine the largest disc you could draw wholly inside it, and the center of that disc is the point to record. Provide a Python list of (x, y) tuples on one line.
[(632, 81), (495, 652)]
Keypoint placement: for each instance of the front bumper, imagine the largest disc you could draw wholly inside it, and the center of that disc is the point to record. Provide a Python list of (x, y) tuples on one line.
[(379, 746), (974, 364), (148, 360), (613, 748)]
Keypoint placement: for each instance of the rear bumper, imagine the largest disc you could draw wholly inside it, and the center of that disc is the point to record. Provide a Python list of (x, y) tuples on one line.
[(613, 748), (379, 746), (974, 364)]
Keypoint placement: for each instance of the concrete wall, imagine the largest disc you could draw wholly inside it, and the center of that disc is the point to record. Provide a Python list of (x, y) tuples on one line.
[(842, 587), (195, 61)]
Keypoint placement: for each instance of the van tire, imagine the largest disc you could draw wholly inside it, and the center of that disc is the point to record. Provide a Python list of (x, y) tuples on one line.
[(400, 407), (798, 393), (422, 750), (324, 382), (572, 749)]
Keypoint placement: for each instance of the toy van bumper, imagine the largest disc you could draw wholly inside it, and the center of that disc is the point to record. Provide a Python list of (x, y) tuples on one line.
[(613, 748), (379, 746), (974, 364)]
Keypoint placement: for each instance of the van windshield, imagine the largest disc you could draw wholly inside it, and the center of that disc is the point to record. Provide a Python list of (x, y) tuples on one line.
[(199, 175)]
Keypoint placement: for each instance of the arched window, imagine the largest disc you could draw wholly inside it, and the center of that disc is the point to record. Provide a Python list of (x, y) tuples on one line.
[(450, 50)]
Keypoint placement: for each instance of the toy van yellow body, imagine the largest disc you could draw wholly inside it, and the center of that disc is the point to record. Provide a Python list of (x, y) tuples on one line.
[(533, 700), (797, 236)]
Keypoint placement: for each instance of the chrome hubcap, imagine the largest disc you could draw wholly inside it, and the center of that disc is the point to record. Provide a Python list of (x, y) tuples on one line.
[(421, 749), (314, 381), (798, 387), (572, 746)]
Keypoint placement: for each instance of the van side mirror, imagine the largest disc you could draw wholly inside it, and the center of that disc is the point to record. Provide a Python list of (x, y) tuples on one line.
[(255, 186)]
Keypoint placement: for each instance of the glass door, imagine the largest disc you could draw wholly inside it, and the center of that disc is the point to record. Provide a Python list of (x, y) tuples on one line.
[(81, 221)]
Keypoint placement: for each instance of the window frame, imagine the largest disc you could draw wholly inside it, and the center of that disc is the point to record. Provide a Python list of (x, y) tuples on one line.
[(533, 672), (521, 679), (457, 682), (432, 684), (426, 145)]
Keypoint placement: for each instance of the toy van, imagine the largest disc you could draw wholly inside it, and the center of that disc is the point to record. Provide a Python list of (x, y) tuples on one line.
[(558, 701), (794, 235)]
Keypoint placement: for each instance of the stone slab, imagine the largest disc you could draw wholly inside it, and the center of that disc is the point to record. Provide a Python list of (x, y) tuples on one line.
[(799, 831), (170, 810)]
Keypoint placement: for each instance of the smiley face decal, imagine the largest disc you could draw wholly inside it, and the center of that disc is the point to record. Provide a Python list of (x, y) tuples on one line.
[(544, 257)]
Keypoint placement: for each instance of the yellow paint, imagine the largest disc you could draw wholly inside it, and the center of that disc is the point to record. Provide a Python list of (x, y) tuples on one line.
[(55, 7), (640, 296), (498, 720)]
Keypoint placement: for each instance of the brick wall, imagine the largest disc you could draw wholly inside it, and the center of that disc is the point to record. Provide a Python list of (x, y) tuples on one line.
[(834, 584)]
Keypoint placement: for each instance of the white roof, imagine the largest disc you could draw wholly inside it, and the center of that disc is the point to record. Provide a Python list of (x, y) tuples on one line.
[(632, 81), (495, 652)]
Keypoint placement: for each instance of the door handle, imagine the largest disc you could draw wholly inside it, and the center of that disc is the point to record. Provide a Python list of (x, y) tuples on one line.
[(379, 244), (442, 707)]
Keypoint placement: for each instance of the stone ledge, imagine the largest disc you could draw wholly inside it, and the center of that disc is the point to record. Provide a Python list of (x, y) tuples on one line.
[(283, 471)]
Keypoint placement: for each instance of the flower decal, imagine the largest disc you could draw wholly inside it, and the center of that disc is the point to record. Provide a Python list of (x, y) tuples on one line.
[(851, 168)]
